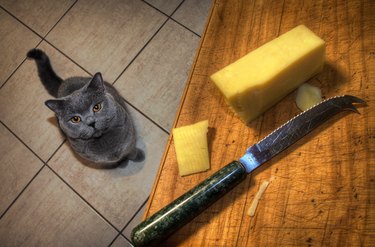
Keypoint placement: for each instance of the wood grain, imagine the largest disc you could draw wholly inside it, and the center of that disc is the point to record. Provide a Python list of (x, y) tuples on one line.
[(323, 187)]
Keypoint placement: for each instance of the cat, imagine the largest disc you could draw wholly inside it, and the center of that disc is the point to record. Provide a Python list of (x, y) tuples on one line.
[(92, 115)]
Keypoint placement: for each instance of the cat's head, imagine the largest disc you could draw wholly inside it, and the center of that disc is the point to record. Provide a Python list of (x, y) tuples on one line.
[(87, 112)]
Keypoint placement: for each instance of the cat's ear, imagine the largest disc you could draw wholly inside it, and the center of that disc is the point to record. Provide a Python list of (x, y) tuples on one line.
[(56, 105), (96, 83)]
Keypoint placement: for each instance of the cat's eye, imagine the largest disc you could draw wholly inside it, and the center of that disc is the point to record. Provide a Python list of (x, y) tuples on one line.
[(75, 119), (97, 107)]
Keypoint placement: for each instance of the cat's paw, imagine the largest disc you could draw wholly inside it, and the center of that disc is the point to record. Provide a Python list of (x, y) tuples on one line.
[(137, 156)]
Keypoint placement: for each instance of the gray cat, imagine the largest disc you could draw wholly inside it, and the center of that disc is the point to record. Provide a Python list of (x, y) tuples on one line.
[(91, 113)]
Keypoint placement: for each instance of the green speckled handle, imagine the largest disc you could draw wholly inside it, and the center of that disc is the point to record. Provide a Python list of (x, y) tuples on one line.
[(182, 210)]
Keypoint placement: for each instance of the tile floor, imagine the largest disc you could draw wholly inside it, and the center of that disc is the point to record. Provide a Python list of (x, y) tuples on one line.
[(146, 49)]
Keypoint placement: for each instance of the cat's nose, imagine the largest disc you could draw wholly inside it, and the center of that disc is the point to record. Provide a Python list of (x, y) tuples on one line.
[(90, 122)]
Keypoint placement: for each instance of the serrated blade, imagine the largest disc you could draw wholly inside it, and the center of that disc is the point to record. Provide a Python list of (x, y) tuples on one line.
[(295, 129)]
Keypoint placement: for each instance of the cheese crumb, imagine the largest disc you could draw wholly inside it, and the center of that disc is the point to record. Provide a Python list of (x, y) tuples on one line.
[(254, 204), (308, 96)]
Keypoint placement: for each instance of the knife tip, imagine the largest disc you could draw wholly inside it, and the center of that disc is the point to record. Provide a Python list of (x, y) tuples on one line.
[(353, 100)]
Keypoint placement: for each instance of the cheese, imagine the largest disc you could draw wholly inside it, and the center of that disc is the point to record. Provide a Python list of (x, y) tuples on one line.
[(191, 148), (308, 96), (254, 204), (263, 77)]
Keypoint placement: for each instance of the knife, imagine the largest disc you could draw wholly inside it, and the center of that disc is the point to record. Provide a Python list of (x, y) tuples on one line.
[(182, 210)]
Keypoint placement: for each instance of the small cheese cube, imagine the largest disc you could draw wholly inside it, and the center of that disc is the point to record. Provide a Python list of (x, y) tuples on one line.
[(191, 148), (263, 77)]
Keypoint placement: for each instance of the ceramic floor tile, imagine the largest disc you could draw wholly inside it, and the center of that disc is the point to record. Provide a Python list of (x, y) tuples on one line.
[(17, 167), (193, 14), (121, 242), (39, 15), (106, 35), (116, 193), (166, 7), (49, 213), (154, 82), (135, 221), (15, 41), (25, 113)]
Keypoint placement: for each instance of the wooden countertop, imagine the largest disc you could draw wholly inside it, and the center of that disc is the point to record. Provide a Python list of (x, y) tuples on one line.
[(323, 187)]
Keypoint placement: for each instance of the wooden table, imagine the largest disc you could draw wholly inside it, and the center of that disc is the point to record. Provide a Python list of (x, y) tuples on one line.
[(323, 187)]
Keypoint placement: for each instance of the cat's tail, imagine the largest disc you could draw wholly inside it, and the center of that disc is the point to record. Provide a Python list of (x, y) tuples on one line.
[(50, 80)]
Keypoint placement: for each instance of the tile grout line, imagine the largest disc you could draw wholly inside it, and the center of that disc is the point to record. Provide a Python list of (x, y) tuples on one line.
[(42, 39), (16, 69), (130, 63), (170, 16), (81, 197), (69, 58), (182, 25), (46, 165), (24, 24), (127, 224), (21, 192), (141, 50), (147, 117), (19, 139), (152, 6), (135, 214), (148, 42), (114, 239), (33, 31), (57, 149), (58, 21), (132, 218), (182, 2), (48, 42), (23, 143)]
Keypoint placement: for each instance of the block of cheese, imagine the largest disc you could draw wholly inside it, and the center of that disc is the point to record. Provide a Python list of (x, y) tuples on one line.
[(190, 142), (264, 76)]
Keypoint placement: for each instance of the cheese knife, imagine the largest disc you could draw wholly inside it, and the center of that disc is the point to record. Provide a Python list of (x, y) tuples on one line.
[(182, 210)]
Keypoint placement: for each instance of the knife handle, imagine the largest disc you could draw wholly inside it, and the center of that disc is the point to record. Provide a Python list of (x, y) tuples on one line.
[(182, 210)]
